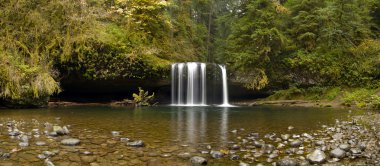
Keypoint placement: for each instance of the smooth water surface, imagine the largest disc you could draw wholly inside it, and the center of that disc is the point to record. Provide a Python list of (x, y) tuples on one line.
[(165, 125)]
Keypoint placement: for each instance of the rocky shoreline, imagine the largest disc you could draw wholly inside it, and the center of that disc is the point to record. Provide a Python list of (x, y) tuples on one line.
[(353, 142)]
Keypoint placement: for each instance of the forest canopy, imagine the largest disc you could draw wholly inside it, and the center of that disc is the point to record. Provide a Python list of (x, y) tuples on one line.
[(265, 43)]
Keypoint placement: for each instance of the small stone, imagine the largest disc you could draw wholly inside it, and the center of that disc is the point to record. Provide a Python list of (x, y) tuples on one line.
[(115, 133), (166, 155), (355, 151), (23, 144), (235, 147), (48, 153), (307, 135), (290, 128), (319, 143), (58, 130), (243, 164), (258, 144), (295, 143), (24, 138), (14, 133), (53, 134), (48, 163), (41, 156), (70, 142), (337, 136), (285, 137), (40, 143), (273, 155), (286, 162), (316, 157), (216, 154), (138, 143), (196, 160), (337, 153), (304, 163), (184, 155), (88, 159), (124, 139), (65, 130), (235, 157)]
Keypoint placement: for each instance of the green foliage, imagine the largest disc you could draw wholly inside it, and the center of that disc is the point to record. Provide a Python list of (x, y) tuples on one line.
[(361, 98), (142, 98), (312, 93)]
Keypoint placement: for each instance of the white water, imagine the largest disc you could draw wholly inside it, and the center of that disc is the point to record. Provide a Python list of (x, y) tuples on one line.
[(225, 86), (189, 84)]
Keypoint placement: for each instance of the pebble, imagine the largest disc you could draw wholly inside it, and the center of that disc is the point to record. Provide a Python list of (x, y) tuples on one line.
[(138, 143), (196, 160), (70, 142), (316, 157)]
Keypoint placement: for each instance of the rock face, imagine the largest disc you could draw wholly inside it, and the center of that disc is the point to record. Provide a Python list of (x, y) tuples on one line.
[(196, 160), (317, 157), (337, 153), (70, 142), (138, 143)]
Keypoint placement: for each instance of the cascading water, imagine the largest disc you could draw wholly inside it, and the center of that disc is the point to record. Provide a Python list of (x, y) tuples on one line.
[(225, 86), (189, 84)]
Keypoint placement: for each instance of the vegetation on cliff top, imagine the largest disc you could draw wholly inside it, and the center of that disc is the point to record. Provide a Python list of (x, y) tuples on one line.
[(267, 44)]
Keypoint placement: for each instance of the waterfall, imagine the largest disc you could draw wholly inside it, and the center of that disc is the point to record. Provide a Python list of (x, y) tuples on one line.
[(225, 86), (189, 83)]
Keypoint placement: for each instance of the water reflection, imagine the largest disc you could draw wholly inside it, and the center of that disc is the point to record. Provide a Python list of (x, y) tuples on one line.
[(192, 124)]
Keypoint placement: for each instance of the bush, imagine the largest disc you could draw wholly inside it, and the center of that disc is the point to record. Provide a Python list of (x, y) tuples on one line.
[(143, 98)]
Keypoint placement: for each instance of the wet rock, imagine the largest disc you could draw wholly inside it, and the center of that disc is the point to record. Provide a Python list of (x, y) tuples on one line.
[(115, 133), (41, 156), (316, 157), (138, 143), (14, 133), (304, 163), (70, 142), (337, 136), (166, 155), (235, 147), (319, 143), (307, 135), (285, 137), (295, 143), (243, 164), (48, 153), (235, 157), (286, 162), (23, 144), (337, 153), (362, 146), (154, 162), (48, 163), (184, 155), (6, 155), (53, 134), (196, 160), (40, 143), (290, 128), (258, 144), (273, 155), (216, 154), (124, 139), (65, 130), (355, 151), (24, 138), (58, 130), (88, 159)]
